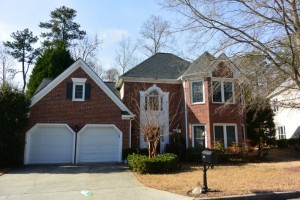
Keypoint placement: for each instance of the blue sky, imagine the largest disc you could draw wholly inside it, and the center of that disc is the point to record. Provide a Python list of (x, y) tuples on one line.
[(107, 18)]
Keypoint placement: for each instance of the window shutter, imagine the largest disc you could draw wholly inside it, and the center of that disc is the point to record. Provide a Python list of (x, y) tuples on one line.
[(87, 91), (69, 90)]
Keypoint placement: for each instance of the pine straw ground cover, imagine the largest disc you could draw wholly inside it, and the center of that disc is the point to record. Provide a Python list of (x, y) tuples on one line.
[(229, 179)]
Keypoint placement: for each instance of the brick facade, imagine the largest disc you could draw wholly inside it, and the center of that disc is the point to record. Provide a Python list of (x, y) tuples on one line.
[(54, 107), (132, 101), (207, 113)]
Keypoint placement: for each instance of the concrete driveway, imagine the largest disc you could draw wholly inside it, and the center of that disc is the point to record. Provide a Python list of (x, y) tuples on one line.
[(104, 181)]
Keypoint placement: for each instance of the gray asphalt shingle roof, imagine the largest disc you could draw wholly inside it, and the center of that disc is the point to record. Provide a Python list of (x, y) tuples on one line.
[(43, 84), (201, 64), (160, 66), (111, 86)]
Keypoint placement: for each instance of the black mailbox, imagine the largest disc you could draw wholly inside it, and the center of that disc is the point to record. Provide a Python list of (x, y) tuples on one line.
[(209, 157)]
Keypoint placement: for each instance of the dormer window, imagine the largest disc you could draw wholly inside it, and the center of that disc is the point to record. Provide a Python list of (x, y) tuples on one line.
[(78, 90)]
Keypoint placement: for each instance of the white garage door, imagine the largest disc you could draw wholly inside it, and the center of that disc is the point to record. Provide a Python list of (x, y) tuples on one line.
[(99, 143), (50, 143)]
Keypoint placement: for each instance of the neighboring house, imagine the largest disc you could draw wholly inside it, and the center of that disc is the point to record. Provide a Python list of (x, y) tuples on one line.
[(77, 118), (285, 104)]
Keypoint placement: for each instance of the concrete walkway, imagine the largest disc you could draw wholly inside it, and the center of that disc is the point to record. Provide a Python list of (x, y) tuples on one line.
[(103, 181)]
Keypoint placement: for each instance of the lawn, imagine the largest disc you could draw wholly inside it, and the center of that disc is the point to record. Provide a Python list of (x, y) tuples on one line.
[(230, 179)]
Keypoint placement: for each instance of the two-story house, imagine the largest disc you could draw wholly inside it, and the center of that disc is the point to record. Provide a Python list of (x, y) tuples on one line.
[(202, 97), (77, 118)]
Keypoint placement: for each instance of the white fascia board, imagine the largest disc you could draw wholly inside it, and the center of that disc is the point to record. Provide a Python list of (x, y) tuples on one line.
[(150, 80), (105, 88), (127, 117), (193, 76)]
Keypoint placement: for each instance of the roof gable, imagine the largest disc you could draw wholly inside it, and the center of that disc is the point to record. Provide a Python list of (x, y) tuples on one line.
[(207, 63), (79, 64)]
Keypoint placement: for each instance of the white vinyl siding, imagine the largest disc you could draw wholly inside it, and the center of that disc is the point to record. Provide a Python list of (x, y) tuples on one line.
[(281, 132)]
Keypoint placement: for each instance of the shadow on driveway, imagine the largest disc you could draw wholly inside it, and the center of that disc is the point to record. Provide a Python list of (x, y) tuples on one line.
[(71, 169)]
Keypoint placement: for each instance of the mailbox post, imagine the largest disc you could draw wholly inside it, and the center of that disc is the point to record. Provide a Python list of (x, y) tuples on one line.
[(208, 157)]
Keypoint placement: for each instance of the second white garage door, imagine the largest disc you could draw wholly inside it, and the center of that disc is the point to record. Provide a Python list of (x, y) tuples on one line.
[(99, 143)]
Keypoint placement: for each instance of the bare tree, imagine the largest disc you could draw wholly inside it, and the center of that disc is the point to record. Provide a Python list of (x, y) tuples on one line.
[(156, 35), (87, 49), (111, 75), (157, 114), (125, 55), (270, 27), (6, 65)]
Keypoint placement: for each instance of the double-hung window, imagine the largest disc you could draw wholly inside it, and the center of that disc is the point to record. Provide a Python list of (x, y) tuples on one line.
[(197, 92), (281, 132), (78, 90), (222, 91), (226, 134)]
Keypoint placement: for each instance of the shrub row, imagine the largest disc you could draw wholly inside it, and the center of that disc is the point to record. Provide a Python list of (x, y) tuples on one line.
[(129, 151), (163, 163), (284, 143)]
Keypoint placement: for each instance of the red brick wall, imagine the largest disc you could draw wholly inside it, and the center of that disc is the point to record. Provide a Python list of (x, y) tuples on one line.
[(207, 113), (197, 113), (99, 109), (176, 105), (210, 113)]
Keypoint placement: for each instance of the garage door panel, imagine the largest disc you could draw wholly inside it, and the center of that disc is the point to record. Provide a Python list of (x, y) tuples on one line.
[(51, 144), (99, 144)]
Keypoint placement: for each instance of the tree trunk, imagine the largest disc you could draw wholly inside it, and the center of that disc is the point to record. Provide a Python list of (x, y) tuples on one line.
[(23, 72)]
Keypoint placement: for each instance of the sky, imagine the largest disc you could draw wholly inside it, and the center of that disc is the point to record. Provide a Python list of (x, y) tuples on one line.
[(110, 19)]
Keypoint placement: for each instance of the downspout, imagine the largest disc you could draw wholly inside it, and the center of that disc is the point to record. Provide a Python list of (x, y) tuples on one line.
[(185, 115), (130, 132)]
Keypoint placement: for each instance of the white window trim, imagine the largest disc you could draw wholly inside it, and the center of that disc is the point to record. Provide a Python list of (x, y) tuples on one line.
[(193, 137), (225, 132), (162, 102), (191, 92), (222, 90), (164, 113), (80, 82)]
